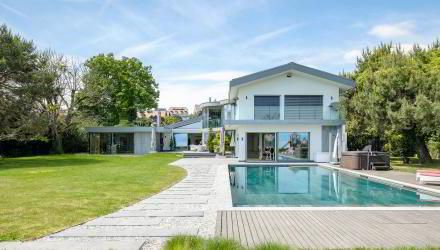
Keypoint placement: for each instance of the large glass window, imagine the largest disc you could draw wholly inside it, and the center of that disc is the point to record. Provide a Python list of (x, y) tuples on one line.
[(266, 107), (293, 146), (261, 146), (108, 143), (303, 107), (181, 140), (123, 143)]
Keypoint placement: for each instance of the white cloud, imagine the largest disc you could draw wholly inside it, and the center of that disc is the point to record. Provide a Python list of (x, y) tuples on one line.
[(143, 48), (351, 55), (393, 30), (270, 35), (407, 47), (209, 76), (13, 10)]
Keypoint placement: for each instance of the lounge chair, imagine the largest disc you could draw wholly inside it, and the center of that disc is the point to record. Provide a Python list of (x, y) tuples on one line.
[(428, 176)]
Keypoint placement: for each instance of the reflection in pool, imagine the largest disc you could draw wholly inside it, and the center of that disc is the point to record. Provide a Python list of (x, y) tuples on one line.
[(269, 185)]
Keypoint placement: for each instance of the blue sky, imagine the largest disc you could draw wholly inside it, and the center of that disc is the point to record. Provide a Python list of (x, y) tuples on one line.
[(196, 47)]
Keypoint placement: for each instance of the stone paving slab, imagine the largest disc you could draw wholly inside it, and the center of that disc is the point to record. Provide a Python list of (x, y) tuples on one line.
[(76, 244), (125, 232), (177, 201), (156, 213), (124, 221)]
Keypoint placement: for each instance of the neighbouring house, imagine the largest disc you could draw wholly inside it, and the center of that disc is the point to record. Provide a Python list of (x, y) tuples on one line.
[(284, 114)]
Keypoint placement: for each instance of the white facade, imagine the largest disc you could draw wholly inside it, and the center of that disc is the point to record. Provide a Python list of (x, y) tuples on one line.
[(297, 84), (282, 81)]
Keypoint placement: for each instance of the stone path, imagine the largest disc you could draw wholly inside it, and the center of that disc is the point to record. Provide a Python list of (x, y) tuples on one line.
[(189, 207)]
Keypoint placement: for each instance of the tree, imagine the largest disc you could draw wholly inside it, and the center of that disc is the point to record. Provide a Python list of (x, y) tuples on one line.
[(211, 142), (396, 91), (167, 120), (115, 89), (18, 66)]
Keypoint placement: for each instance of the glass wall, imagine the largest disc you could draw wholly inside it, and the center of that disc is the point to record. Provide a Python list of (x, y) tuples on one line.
[(293, 146), (111, 143), (181, 141), (261, 146), (266, 107)]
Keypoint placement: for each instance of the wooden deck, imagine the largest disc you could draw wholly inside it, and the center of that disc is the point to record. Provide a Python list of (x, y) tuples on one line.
[(331, 229)]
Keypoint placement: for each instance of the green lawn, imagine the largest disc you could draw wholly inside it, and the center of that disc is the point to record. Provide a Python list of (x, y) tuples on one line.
[(44, 194), (414, 165)]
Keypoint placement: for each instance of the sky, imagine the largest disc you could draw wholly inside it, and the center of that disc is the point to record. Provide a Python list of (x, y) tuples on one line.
[(196, 47)]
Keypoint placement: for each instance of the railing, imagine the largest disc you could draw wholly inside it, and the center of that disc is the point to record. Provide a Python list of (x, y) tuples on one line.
[(214, 123)]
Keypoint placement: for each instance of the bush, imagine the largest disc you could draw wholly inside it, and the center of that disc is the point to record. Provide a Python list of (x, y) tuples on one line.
[(184, 242), (211, 143), (15, 148)]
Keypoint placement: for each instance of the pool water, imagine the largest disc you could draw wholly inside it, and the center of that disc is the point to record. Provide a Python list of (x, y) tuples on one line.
[(269, 185)]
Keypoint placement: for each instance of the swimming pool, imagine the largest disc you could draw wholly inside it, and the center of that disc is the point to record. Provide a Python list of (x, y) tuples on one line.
[(315, 186)]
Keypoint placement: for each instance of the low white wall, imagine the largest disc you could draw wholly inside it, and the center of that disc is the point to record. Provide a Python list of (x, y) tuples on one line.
[(314, 130)]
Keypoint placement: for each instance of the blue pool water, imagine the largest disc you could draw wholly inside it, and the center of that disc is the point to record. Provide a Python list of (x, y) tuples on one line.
[(269, 185)]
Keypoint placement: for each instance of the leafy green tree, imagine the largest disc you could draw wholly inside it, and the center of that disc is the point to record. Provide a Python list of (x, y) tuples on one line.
[(167, 120), (396, 91), (211, 141), (115, 89), (18, 66)]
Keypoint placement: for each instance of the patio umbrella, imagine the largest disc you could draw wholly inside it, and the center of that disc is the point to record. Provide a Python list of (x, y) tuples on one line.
[(232, 142), (336, 149)]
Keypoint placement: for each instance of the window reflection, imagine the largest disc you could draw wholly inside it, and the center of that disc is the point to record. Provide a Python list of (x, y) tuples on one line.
[(293, 146)]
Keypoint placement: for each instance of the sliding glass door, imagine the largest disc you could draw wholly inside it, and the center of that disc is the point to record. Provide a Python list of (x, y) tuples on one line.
[(293, 146), (261, 146)]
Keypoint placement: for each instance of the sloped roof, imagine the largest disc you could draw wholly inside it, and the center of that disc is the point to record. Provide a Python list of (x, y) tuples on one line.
[(291, 66), (184, 122)]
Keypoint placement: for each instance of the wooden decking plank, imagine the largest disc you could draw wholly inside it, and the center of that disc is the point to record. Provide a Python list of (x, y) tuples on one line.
[(224, 231), (294, 238), (399, 237), (328, 233), (264, 229), (230, 222), (299, 231), (252, 227), (246, 228), (235, 227), (270, 226), (218, 223), (315, 234), (262, 234), (279, 226), (241, 228)]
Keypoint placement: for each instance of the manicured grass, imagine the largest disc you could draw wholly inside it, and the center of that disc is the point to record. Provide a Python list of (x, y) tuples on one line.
[(414, 165), (183, 242), (44, 194)]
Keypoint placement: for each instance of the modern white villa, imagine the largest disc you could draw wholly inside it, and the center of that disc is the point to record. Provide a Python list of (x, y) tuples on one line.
[(283, 114)]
